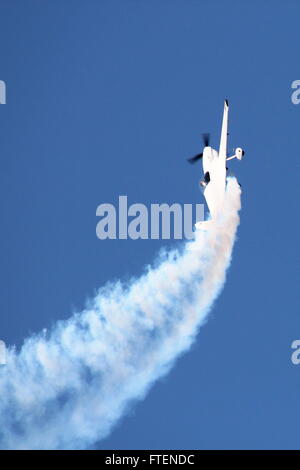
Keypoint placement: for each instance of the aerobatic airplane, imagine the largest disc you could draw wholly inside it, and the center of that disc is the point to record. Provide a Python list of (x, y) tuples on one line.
[(215, 170)]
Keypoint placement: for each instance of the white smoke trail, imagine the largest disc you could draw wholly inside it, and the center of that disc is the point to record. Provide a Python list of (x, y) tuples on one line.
[(67, 390)]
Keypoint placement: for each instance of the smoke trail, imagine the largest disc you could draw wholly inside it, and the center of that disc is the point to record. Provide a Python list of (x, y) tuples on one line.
[(68, 388)]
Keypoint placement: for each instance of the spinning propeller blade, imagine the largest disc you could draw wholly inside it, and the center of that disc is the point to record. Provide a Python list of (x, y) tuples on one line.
[(195, 158)]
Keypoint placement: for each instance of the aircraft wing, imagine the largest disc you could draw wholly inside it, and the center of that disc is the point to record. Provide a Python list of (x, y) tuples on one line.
[(215, 189), (224, 133)]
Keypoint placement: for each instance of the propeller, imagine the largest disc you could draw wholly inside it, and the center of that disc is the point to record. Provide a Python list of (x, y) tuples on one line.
[(206, 139), (195, 158)]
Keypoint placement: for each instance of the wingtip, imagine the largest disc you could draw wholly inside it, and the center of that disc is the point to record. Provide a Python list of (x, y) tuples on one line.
[(226, 102)]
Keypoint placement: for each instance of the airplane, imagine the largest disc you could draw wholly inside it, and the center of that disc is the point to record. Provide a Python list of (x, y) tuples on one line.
[(215, 170)]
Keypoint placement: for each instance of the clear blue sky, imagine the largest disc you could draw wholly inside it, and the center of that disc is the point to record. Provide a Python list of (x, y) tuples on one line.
[(109, 97)]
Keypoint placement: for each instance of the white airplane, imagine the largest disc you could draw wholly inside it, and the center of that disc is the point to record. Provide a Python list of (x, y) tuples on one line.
[(214, 168)]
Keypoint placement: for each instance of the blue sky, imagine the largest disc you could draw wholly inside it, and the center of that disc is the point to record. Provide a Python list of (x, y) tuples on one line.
[(110, 98)]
